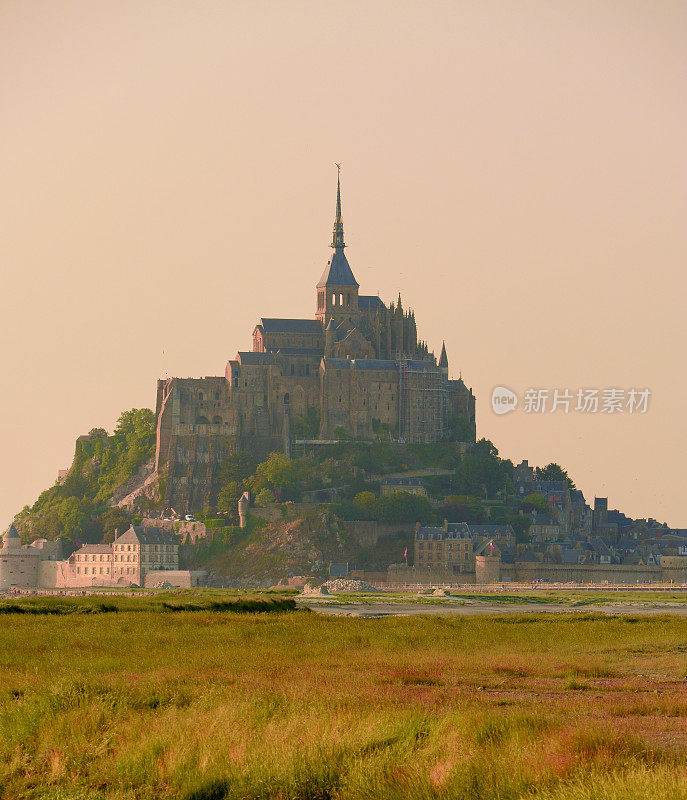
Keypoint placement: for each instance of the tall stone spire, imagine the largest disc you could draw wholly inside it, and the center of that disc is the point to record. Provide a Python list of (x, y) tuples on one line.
[(338, 237), (338, 271), (443, 359)]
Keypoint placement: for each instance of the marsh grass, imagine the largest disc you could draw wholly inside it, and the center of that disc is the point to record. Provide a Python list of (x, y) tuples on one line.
[(206, 704), (59, 606)]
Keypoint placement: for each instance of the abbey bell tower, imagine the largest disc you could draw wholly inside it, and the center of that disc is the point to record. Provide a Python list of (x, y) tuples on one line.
[(337, 289)]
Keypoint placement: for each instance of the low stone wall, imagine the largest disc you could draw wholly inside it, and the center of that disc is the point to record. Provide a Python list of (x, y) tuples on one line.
[(527, 571), (178, 578)]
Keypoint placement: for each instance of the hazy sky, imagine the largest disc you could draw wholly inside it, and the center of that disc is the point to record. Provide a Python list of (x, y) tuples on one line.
[(516, 169)]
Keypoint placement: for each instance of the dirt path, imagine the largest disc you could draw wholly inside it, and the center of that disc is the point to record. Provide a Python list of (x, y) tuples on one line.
[(371, 610)]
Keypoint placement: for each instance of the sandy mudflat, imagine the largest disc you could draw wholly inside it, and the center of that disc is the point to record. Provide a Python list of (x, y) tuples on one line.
[(457, 608)]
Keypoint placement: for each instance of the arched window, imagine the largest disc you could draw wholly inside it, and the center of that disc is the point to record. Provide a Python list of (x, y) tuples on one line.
[(286, 398), (217, 420), (200, 396), (201, 420)]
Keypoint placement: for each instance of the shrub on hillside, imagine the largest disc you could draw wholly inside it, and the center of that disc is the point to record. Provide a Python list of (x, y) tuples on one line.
[(77, 508), (265, 498)]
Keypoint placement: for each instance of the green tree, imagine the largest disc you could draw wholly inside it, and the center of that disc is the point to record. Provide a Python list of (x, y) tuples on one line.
[(462, 508), (534, 502), (111, 520), (460, 429), (521, 524), (554, 472), (282, 476), (236, 467), (307, 426), (73, 518), (404, 507), (228, 498), (365, 502), (265, 498), (481, 472)]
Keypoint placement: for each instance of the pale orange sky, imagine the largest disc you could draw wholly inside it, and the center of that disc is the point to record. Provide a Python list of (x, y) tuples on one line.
[(516, 169)]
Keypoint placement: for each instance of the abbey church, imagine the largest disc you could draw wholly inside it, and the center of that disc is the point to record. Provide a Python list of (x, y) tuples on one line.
[(355, 371)]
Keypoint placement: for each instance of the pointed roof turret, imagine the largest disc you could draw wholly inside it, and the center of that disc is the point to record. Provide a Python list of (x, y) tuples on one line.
[(443, 358), (11, 539), (338, 271)]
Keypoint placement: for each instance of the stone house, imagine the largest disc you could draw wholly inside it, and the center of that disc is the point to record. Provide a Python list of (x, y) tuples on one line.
[(92, 564), (141, 550), (448, 548), (544, 528)]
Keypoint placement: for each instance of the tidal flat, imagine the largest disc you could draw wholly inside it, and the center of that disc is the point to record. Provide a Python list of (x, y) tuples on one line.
[(212, 700)]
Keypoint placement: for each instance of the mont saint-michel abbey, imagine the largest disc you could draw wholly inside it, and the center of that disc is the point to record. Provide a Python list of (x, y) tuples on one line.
[(357, 370)]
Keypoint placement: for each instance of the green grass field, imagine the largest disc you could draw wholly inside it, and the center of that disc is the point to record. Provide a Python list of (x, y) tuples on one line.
[(204, 703)]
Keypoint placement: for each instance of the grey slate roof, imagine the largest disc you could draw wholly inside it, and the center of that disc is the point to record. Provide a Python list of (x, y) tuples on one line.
[(147, 536), (338, 271), (299, 351), (491, 530), (543, 519), (12, 533), (415, 365), (457, 530), (369, 302), (336, 363), (272, 325), (373, 363), (95, 548), (250, 359), (458, 527), (429, 533), (551, 486)]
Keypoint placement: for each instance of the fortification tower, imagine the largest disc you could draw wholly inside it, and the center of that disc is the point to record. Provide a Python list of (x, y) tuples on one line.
[(18, 565), (337, 289)]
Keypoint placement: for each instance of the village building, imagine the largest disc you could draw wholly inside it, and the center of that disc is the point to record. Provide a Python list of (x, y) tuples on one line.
[(544, 528), (141, 550), (92, 564)]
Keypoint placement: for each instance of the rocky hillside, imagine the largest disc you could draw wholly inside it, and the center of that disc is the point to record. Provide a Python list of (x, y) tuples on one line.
[(110, 479), (287, 540), (299, 541)]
